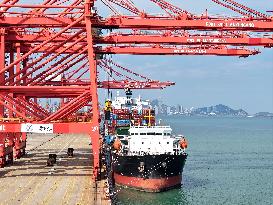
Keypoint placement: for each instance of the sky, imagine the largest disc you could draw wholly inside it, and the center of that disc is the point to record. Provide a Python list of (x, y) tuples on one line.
[(245, 83)]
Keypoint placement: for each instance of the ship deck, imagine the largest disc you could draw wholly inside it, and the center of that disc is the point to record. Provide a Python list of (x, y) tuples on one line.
[(30, 181)]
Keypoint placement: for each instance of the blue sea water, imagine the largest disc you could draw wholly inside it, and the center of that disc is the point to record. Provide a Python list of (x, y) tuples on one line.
[(230, 162)]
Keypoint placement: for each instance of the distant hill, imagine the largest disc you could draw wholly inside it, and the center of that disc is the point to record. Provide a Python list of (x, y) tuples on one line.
[(216, 110), (264, 114), (219, 110)]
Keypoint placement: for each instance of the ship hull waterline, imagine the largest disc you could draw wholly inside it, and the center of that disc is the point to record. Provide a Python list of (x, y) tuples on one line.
[(149, 173)]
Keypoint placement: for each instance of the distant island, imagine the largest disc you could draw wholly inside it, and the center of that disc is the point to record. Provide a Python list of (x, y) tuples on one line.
[(217, 110), (264, 114), (220, 110)]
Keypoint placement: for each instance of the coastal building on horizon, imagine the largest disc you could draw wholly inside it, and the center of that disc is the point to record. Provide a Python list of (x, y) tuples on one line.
[(216, 110)]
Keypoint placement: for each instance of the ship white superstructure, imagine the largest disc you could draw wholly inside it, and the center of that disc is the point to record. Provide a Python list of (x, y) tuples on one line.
[(153, 140)]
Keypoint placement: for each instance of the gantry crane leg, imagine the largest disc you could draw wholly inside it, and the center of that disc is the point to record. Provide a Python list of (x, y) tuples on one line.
[(2, 64), (95, 133), (2, 149)]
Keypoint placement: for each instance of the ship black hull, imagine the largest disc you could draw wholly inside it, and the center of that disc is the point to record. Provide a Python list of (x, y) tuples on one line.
[(151, 173)]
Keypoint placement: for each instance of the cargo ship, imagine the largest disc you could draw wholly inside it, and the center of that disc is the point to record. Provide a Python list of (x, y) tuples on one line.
[(147, 157)]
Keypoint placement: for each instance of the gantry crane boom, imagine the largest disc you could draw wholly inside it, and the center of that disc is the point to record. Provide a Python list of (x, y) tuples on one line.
[(164, 23), (163, 50), (152, 49), (180, 19), (242, 39), (113, 85), (156, 23), (186, 39)]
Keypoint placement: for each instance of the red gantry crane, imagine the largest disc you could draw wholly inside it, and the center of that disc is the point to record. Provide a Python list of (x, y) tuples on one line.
[(51, 49), (121, 78)]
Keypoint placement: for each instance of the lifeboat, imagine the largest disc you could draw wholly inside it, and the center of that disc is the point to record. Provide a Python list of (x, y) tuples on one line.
[(117, 144), (183, 143)]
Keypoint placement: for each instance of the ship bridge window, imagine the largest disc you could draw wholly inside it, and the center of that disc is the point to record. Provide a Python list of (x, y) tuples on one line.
[(143, 133), (158, 133), (151, 133), (132, 133)]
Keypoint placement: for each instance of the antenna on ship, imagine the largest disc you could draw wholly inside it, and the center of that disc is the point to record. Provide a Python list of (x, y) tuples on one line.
[(128, 93)]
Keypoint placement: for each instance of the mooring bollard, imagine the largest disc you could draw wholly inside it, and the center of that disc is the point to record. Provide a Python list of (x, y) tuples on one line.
[(70, 152), (53, 158), (50, 162)]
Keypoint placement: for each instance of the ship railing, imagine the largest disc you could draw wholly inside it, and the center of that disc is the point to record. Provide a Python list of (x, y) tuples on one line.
[(150, 126), (142, 153)]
